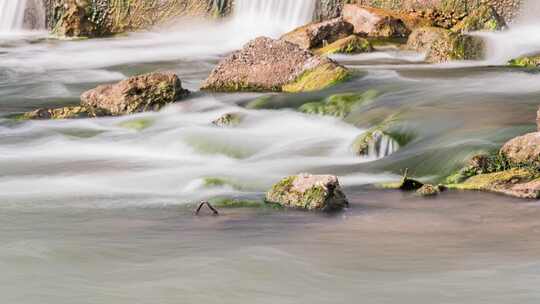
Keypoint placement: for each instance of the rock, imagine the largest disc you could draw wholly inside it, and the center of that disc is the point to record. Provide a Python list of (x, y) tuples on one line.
[(525, 61), (375, 142), (409, 184), (265, 64), (148, 92), (428, 190), (485, 18), (315, 35), (538, 119), (523, 149), (442, 45), (57, 113), (228, 120), (374, 22), (311, 192), (517, 182), (349, 45)]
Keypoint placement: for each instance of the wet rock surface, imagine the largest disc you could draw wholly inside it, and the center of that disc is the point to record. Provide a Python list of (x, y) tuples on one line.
[(523, 149), (374, 22), (315, 35)]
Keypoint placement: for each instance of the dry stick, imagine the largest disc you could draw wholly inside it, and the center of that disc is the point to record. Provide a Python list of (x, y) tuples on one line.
[(203, 203)]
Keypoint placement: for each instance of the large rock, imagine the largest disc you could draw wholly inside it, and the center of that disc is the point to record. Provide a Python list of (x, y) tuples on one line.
[(265, 64), (148, 92), (311, 192), (523, 149), (318, 34), (485, 18), (442, 45), (374, 22)]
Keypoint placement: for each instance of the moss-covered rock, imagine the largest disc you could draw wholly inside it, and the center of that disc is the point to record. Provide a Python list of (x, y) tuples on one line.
[(57, 113), (339, 104), (349, 45), (485, 18), (442, 45), (266, 64), (310, 192), (525, 62)]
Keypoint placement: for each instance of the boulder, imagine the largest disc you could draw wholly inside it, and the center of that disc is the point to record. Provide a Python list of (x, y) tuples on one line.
[(148, 92), (374, 22), (523, 149), (485, 18), (311, 192), (57, 113), (442, 45), (318, 34), (266, 64), (352, 44)]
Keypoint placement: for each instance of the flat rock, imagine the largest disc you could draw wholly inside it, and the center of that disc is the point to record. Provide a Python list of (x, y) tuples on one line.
[(311, 192), (147, 92), (266, 64)]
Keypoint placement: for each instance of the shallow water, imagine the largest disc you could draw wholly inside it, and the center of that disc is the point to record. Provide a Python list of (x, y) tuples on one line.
[(99, 210)]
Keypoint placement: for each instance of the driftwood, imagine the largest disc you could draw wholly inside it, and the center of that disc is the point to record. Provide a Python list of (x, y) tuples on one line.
[(207, 204)]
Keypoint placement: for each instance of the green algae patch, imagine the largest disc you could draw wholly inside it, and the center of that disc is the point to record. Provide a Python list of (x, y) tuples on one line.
[(137, 124), (349, 45), (339, 105), (486, 182), (525, 62), (217, 146), (318, 78), (262, 102), (485, 18), (229, 203)]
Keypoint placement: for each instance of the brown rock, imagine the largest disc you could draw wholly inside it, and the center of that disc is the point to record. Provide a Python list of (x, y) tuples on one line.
[(319, 34), (374, 22), (148, 92), (57, 113), (523, 149), (265, 64)]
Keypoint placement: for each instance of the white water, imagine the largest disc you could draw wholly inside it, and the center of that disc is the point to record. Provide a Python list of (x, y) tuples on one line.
[(12, 15), (523, 37)]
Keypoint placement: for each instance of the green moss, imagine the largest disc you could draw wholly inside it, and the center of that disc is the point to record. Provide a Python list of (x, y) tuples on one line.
[(259, 103), (211, 146), (319, 78), (525, 62), (212, 182), (339, 105), (137, 124), (350, 45), (240, 203), (488, 181)]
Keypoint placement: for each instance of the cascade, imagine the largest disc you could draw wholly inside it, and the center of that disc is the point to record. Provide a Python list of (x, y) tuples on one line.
[(12, 15)]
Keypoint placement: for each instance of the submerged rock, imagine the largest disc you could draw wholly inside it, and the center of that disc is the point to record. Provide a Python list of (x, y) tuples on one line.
[(523, 149), (148, 92), (57, 113), (485, 18), (375, 142), (442, 45), (352, 44), (339, 105), (317, 34), (374, 22), (228, 120), (265, 64), (311, 192)]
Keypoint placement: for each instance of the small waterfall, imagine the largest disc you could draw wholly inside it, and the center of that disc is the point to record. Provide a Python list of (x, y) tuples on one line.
[(521, 38), (12, 15), (382, 146), (276, 15)]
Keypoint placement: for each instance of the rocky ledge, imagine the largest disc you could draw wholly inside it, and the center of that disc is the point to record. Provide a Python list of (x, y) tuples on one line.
[(266, 64)]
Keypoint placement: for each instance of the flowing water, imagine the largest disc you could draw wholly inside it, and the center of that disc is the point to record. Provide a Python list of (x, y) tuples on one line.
[(99, 210), (11, 15)]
